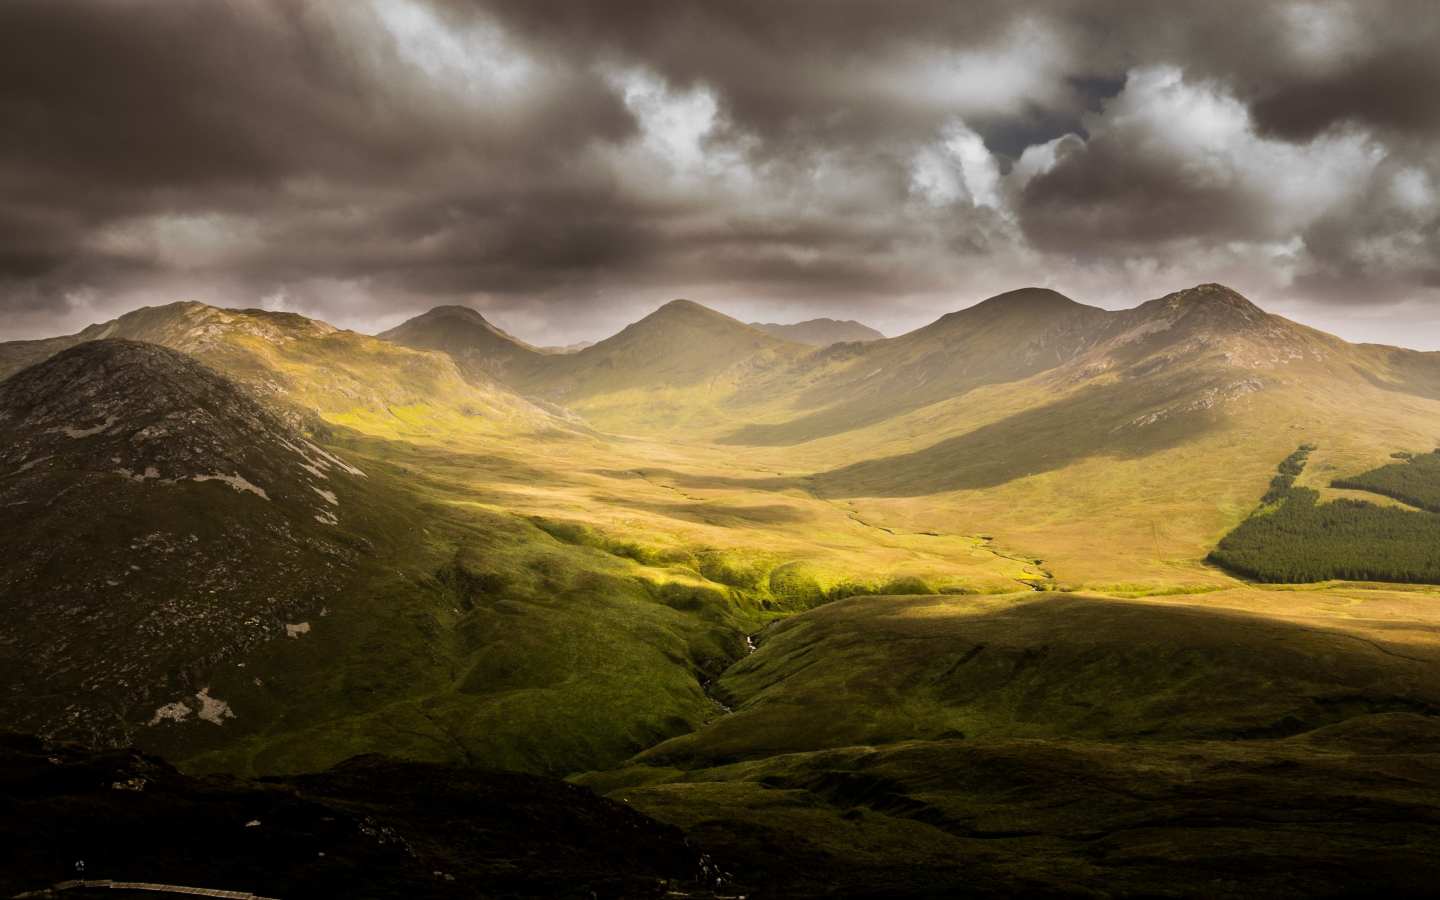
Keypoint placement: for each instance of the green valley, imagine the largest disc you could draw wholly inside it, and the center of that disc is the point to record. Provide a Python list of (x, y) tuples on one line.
[(987, 606)]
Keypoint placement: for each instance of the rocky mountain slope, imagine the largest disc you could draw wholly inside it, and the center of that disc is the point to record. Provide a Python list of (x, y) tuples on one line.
[(821, 332), (310, 371), (157, 520)]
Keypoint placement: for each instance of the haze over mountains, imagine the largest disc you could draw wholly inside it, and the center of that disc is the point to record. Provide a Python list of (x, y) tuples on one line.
[(787, 598)]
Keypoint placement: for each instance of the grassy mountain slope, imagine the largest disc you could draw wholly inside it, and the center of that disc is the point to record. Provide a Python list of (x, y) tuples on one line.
[(1027, 744), (286, 611), (312, 371), (681, 366), (1122, 467), (847, 386), (464, 334), (821, 332)]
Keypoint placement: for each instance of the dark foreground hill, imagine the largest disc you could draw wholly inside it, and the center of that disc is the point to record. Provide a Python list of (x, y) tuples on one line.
[(372, 827), (821, 332), (157, 520)]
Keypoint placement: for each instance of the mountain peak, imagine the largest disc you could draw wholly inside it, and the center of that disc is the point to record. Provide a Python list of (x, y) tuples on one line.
[(466, 335), (122, 406), (1035, 298), (686, 309), (1212, 308), (463, 312), (1211, 296), (684, 315)]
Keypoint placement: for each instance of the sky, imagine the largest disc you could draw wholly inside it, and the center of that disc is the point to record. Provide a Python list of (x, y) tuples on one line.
[(567, 166)]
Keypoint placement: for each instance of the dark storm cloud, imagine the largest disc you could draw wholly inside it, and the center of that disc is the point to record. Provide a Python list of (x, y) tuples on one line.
[(567, 162)]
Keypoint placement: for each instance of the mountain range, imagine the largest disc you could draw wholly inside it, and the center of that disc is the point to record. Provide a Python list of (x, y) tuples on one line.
[(850, 615), (821, 332)]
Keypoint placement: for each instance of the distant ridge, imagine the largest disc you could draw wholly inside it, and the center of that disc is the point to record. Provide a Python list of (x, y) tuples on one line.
[(821, 332)]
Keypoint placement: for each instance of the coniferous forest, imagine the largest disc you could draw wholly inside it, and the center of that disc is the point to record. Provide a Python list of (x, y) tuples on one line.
[(1415, 481), (1293, 538)]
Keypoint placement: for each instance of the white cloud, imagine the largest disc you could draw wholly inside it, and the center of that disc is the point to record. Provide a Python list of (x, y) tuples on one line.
[(478, 60), (672, 123), (956, 167)]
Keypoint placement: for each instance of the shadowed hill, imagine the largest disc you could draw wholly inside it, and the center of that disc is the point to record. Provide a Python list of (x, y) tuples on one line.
[(821, 332), (1202, 335), (156, 519), (370, 827), (466, 335), (1078, 744), (1059, 666)]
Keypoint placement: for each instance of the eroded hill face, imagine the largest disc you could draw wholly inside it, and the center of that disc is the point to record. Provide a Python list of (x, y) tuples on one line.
[(157, 521)]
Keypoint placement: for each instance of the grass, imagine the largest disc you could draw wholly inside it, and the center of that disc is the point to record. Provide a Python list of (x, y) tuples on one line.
[(1018, 559)]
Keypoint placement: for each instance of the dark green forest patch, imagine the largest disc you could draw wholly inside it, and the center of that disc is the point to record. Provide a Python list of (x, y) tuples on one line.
[(1293, 538), (1415, 481)]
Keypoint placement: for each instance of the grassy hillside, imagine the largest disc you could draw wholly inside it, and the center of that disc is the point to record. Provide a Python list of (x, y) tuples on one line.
[(312, 372), (1033, 743), (682, 366), (992, 653), (465, 335)]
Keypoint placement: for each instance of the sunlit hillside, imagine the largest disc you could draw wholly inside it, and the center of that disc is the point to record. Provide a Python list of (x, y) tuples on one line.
[(787, 598)]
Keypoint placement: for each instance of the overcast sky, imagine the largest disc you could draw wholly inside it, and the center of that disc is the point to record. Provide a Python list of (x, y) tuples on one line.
[(566, 166)]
